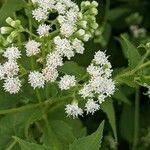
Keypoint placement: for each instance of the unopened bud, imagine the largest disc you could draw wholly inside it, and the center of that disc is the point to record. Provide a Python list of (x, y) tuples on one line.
[(80, 32), (94, 4), (6, 30), (9, 20), (12, 36)]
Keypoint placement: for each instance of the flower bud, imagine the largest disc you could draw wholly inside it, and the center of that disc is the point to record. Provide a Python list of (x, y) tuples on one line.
[(12, 36), (148, 45), (9, 20), (94, 4), (85, 4), (87, 37), (80, 15), (80, 32), (6, 30), (94, 25), (16, 24), (83, 24), (94, 11)]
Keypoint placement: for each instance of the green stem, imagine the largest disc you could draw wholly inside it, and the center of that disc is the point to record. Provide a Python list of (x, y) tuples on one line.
[(12, 145), (14, 110), (136, 120), (132, 72)]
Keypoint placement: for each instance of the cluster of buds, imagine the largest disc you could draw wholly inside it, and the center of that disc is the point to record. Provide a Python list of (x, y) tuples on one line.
[(13, 30)]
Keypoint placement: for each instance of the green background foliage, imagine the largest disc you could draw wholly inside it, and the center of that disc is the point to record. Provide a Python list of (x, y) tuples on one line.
[(126, 114)]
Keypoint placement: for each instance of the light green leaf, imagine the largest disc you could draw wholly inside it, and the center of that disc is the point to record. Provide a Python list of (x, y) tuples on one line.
[(91, 142), (28, 146), (108, 108), (132, 52)]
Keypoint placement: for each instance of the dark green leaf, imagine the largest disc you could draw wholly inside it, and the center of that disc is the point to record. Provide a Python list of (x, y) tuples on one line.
[(91, 142), (108, 108)]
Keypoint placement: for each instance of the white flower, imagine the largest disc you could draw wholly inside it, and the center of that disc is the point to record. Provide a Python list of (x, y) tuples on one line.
[(61, 19), (66, 82), (73, 110), (101, 98), (10, 68), (50, 74), (54, 60), (61, 8), (32, 48), (43, 30), (91, 106), (67, 29), (109, 87), (1, 72), (63, 47), (100, 58), (95, 70), (12, 53), (12, 85), (86, 91), (40, 14), (36, 79), (47, 4), (71, 15), (78, 46)]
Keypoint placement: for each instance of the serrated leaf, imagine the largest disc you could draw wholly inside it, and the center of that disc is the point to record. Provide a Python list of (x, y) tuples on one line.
[(108, 108), (8, 7), (132, 52), (28, 146), (91, 142), (72, 68)]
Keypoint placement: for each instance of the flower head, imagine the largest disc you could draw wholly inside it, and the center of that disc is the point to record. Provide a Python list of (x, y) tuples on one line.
[(43, 30), (66, 82), (36, 79), (12, 53), (12, 85), (73, 110), (32, 48), (91, 106)]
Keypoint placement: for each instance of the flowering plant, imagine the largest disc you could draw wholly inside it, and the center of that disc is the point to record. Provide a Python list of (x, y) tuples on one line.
[(47, 88)]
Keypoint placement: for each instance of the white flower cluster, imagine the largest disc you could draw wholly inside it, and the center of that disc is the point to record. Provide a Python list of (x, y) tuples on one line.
[(32, 48), (99, 87), (9, 70), (66, 82), (73, 110), (68, 48), (71, 19)]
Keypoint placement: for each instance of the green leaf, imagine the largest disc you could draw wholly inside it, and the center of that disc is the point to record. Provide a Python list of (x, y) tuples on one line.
[(91, 142), (72, 68), (132, 52), (15, 124), (9, 7), (120, 96), (28, 146), (127, 123), (57, 135), (49, 138), (108, 108)]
